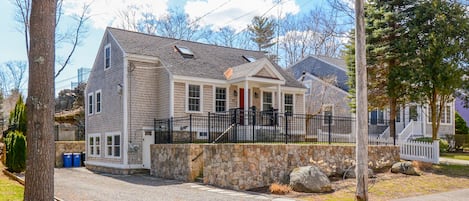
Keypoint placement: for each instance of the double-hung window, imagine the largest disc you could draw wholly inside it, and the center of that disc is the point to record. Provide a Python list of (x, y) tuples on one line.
[(107, 56), (94, 142), (220, 99), (445, 114), (267, 100), (288, 103), (113, 142), (194, 98), (90, 103), (98, 101)]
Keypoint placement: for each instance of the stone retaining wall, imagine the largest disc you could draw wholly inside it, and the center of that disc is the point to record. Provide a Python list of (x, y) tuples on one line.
[(245, 166), (182, 162), (67, 147)]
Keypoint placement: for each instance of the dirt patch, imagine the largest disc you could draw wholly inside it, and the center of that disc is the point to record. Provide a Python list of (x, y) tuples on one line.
[(387, 185)]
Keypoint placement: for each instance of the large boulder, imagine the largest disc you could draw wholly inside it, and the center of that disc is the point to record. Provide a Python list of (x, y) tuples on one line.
[(405, 167), (350, 173), (309, 179)]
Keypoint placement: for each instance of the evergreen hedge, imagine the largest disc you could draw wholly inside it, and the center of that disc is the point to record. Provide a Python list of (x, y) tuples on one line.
[(16, 151)]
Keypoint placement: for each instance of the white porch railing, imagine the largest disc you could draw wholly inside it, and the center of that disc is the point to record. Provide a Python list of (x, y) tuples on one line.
[(421, 151), (385, 134), (406, 133)]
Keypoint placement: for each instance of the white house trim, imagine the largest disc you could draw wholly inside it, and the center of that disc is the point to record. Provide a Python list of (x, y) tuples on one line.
[(180, 78), (114, 165), (125, 134)]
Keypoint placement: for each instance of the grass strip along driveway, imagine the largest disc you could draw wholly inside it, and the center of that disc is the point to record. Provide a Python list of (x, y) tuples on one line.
[(10, 189)]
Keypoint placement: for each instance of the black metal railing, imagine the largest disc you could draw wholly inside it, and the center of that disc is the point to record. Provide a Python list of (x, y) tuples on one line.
[(239, 126)]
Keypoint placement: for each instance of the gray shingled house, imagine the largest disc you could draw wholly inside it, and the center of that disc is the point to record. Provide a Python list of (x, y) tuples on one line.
[(137, 78), (327, 94)]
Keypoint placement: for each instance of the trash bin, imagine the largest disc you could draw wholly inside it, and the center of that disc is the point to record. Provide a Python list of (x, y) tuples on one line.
[(76, 159), (67, 158), (83, 158)]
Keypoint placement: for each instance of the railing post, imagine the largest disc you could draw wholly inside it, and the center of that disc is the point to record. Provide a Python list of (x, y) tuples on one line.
[(190, 128), (168, 131), (329, 121), (235, 135), (208, 128), (253, 122), (154, 129), (286, 129)]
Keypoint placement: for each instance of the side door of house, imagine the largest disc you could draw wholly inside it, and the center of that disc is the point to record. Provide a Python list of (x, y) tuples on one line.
[(148, 139)]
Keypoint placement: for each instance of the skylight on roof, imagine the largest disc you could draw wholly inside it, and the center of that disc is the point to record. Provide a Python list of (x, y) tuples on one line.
[(249, 58), (185, 51)]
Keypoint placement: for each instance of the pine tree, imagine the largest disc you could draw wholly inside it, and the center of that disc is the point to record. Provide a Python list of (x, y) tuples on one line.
[(386, 66), (262, 31), (17, 120)]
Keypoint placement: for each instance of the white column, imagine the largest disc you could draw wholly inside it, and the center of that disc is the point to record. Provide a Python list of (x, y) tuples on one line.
[(246, 102), (279, 99)]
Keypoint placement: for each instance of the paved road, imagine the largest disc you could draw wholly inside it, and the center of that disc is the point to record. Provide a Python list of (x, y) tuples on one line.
[(459, 195), (79, 184), (451, 161)]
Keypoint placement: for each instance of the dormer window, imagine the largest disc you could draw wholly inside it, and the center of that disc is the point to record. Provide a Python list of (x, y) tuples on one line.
[(249, 58), (185, 51), (107, 56)]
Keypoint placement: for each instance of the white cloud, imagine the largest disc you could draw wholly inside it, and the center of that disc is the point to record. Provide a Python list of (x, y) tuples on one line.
[(236, 13), (104, 12)]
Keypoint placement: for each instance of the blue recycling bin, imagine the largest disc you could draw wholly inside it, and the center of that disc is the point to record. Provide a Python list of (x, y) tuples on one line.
[(76, 159), (67, 158)]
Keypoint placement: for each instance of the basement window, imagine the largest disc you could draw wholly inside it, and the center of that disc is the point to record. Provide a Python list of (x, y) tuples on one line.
[(185, 51)]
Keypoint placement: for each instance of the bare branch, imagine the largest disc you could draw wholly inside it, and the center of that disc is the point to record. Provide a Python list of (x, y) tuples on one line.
[(79, 31)]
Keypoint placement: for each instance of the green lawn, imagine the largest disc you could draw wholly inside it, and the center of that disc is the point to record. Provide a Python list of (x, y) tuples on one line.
[(10, 190), (460, 156)]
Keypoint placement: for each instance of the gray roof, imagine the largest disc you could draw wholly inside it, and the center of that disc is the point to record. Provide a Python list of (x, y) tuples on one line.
[(322, 67), (209, 61)]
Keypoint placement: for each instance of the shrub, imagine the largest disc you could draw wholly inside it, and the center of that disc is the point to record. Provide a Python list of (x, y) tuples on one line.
[(444, 146), (279, 189), (16, 151), (460, 124)]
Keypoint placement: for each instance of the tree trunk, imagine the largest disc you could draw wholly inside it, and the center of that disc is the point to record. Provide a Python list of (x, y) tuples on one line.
[(434, 115), (40, 103), (361, 150), (392, 117)]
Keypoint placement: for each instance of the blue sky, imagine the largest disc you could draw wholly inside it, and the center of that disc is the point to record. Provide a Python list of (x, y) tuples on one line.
[(103, 13)]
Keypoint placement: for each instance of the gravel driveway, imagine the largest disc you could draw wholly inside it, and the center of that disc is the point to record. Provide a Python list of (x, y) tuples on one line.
[(79, 184)]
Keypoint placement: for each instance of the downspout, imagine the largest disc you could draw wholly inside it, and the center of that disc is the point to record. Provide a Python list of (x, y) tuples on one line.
[(126, 117)]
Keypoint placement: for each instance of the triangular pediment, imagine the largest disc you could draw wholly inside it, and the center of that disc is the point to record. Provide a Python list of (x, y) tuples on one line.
[(266, 72), (261, 68)]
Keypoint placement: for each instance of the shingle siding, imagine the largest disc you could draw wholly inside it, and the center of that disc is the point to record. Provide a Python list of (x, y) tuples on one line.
[(110, 119), (142, 105)]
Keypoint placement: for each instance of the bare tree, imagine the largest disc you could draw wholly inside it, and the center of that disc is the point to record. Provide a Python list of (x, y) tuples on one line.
[(13, 75), (314, 33), (71, 36), (40, 102)]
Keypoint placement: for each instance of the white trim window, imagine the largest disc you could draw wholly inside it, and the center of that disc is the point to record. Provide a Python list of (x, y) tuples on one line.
[(107, 56), (94, 145), (288, 104), (267, 100), (90, 103), (194, 98), (113, 145), (445, 115), (328, 112), (98, 98), (220, 99)]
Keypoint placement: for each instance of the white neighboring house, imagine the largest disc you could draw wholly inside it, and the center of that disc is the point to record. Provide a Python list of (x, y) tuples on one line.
[(326, 81)]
